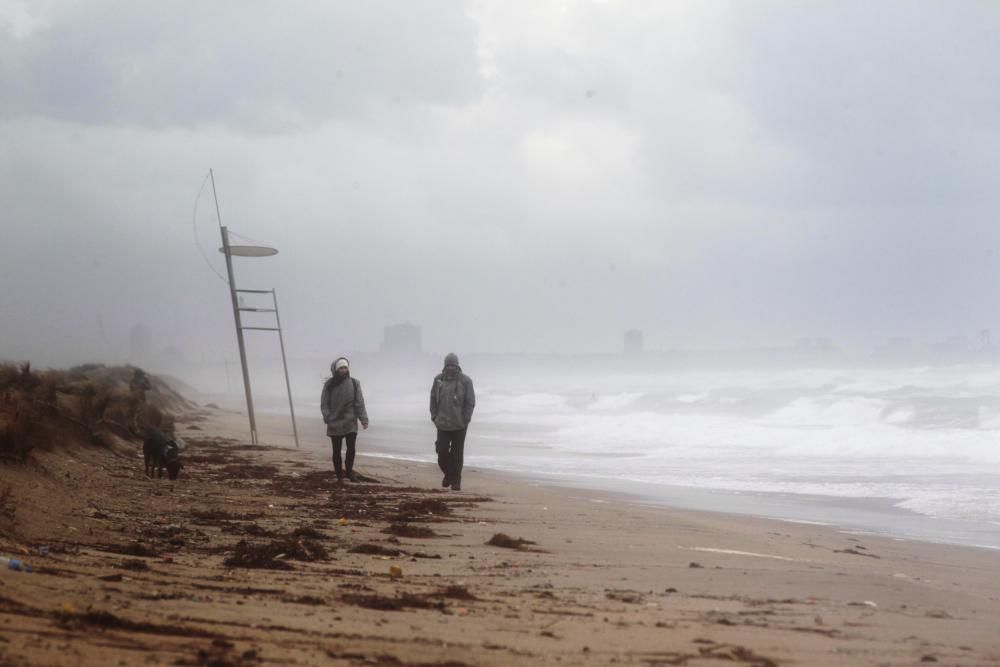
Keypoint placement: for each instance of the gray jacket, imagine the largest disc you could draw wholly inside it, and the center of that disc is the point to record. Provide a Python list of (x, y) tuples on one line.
[(343, 405), (452, 401)]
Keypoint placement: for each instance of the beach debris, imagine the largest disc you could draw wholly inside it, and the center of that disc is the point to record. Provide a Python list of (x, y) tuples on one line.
[(863, 603), (928, 658), (69, 618), (273, 554), (222, 653), (384, 603), (342, 522), (14, 564), (732, 652), (307, 532), (132, 549), (855, 552), (134, 564), (406, 530), (395, 572), (413, 509), (508, 542), (456, 592), (695, 565), (374, 550), (629, 597), (937, 613), (304, 599)]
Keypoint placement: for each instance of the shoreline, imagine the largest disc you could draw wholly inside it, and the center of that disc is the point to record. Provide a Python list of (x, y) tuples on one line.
[(398, 571), (901, 510), (799, 508), (875, 515)]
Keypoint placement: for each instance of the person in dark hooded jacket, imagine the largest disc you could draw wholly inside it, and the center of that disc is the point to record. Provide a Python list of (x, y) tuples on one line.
[(343, 405), (452, 401)]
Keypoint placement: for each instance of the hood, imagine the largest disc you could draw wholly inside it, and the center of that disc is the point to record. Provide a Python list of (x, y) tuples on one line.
[(337, 363), (451, 358)]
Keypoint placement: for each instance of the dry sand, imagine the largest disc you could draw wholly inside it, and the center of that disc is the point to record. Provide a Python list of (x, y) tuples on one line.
[(136, 572)]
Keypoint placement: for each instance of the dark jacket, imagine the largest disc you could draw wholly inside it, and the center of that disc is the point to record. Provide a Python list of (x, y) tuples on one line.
[(343, 405), (452, 401)]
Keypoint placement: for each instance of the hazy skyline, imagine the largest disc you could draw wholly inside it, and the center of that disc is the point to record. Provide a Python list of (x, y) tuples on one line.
[(510, 176)]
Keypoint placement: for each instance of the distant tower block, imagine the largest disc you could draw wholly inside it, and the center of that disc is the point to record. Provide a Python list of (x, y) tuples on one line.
[(402, 339), (140, 344), (633, 342)]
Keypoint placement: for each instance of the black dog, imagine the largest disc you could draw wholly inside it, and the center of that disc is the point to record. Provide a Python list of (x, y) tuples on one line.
[(161, 452)]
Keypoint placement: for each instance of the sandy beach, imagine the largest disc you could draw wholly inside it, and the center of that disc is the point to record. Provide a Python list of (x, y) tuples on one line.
[(256, 556)]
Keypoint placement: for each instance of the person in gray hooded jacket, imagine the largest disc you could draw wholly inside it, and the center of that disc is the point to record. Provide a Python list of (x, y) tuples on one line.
[(343, 405), (452, 401)]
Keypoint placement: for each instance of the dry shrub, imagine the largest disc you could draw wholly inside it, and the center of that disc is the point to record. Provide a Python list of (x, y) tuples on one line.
[(8, 376), (8, 506), (102, 399), (151, 416), (24, 378), (86, 370), (91, 400), (117, 411), (86, 403), (20, 425)]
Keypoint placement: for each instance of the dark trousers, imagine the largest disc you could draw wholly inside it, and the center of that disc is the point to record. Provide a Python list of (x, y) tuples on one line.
[(349, 459), (450, 447)]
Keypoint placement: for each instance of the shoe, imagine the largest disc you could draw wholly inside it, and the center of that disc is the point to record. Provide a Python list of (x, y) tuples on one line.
[(456, 486), (352, 477), (446, 482)]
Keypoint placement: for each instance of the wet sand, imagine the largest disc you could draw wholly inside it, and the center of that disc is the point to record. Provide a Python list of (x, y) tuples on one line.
[(255, 556)]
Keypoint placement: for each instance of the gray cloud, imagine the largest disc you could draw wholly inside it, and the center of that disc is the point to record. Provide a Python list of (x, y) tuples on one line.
[(528, 177), (262, 66)]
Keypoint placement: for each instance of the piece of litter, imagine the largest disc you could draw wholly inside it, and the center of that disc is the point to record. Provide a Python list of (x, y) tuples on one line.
[(395, 571)]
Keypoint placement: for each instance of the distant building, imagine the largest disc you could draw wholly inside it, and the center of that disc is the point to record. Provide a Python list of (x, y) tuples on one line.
[(140, 344), (633, 342), (402, 339)]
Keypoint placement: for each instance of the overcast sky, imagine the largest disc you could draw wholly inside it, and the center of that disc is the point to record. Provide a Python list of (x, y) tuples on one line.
[(512, 176)]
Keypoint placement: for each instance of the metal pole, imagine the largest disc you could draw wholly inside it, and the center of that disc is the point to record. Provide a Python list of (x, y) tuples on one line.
[(236, 316), (288, 385)]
